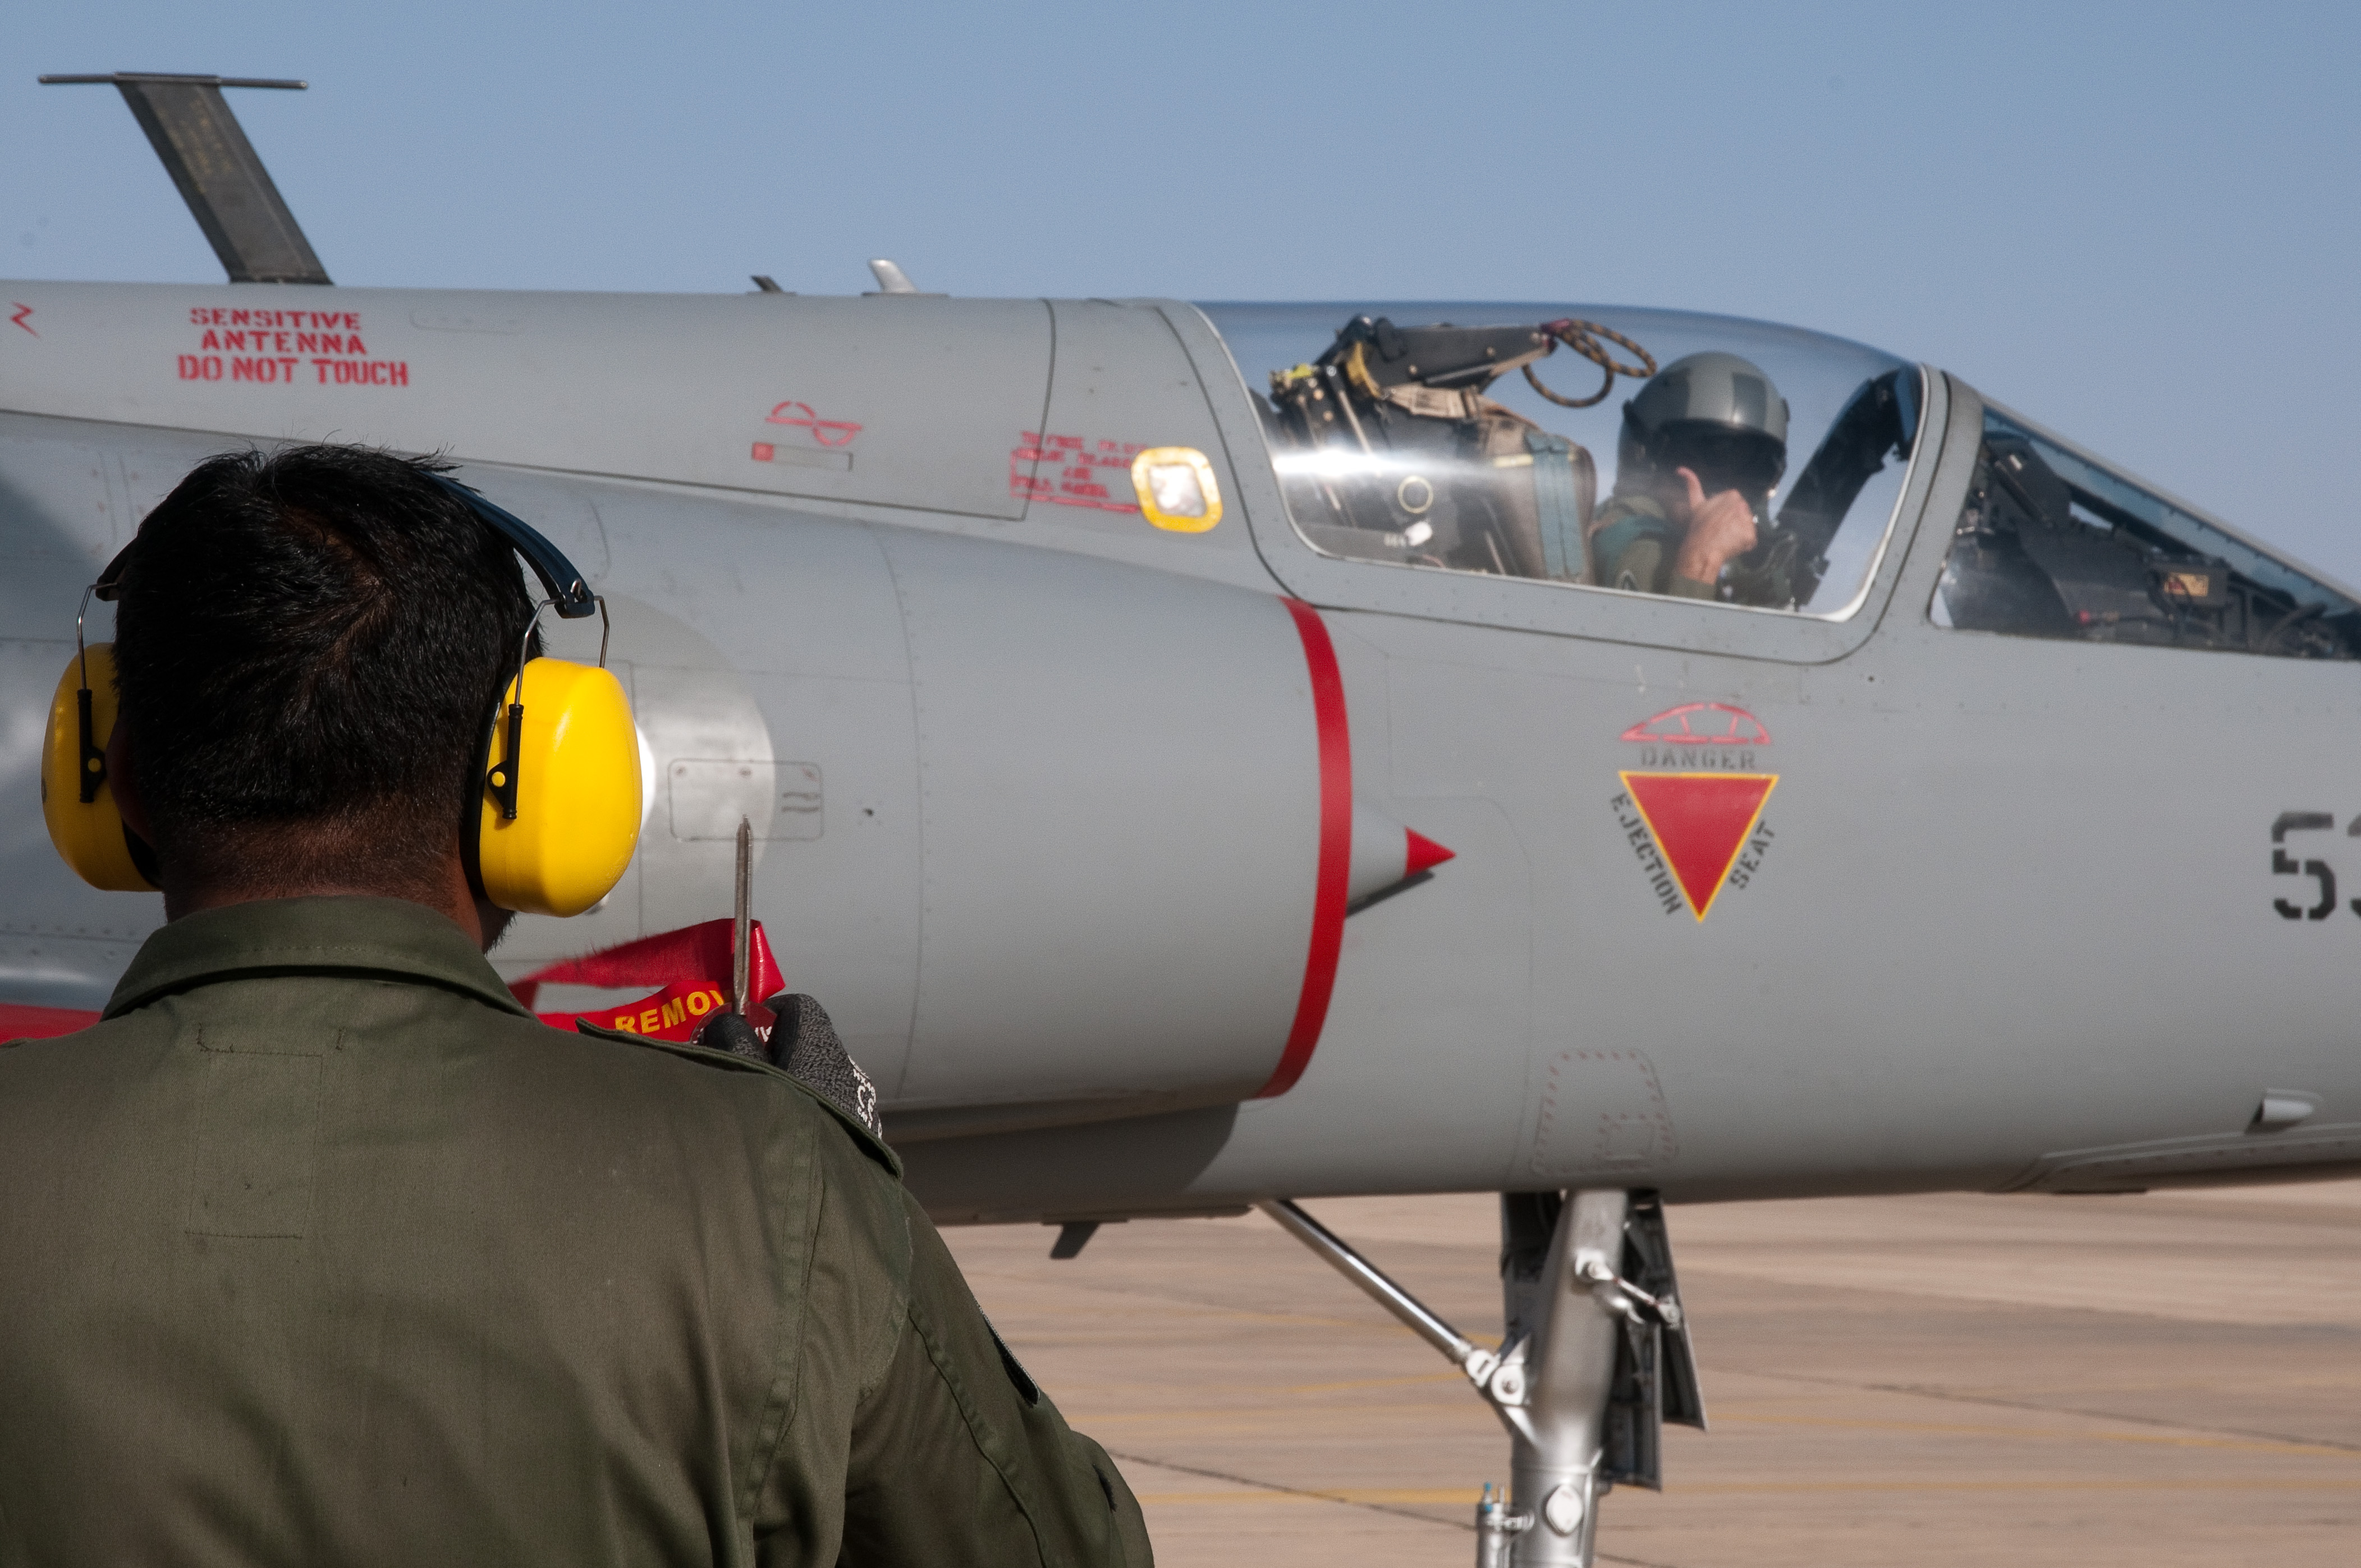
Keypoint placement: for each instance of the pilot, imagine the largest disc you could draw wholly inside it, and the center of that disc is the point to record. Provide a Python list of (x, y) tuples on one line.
[(320, 1248), (1703, 444)]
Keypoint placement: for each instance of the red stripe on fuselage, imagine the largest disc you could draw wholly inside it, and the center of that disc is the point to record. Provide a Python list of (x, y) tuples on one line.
[(20, 1021), (1335, 848)]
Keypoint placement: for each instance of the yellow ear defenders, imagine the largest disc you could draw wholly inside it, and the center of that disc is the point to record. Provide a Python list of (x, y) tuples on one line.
[(559, 814), (75, 801)]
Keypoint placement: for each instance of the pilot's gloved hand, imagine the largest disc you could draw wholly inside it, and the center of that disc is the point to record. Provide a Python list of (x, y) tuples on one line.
[(731, 1032), (1720, 528)]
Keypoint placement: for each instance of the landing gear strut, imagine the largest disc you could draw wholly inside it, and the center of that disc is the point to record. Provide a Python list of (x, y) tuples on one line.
[(1595, 1359)]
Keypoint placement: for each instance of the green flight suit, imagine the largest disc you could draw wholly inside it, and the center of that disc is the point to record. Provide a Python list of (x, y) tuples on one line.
[(320, 1249), (1633, 546)]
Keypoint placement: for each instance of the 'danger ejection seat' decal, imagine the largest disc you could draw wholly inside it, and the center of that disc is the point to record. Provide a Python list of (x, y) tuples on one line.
[(1693, 810)]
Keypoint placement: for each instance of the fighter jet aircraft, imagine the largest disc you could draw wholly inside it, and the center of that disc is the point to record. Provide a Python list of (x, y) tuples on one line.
[(1206, 755)]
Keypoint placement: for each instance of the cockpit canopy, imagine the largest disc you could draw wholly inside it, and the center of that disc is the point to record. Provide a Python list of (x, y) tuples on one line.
[(1542, 442), (2052, 543), (1581, 445)]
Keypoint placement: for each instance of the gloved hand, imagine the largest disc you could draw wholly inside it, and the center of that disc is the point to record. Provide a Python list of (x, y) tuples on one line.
[(804, 1046), (804, 1043), (731, 1032)]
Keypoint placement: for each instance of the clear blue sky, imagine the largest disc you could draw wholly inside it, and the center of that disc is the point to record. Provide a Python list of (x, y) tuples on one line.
[(2135, 222)]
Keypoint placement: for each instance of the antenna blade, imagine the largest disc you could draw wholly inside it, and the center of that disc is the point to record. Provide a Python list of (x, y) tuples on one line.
[(891, 280), (228, 190)]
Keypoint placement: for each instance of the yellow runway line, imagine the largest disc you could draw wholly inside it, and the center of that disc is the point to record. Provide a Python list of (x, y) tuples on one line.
[(2161, 1439), (1468, 1496), (1465, 1496), (2200, 1484)]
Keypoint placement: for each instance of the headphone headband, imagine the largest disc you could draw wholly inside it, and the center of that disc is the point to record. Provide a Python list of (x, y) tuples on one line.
[(568, 594)]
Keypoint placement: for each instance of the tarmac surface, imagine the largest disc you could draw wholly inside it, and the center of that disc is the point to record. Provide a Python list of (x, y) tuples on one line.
[(2162, 1379)]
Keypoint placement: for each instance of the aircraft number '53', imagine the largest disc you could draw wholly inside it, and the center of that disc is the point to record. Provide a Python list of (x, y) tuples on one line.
[(2283, 864)]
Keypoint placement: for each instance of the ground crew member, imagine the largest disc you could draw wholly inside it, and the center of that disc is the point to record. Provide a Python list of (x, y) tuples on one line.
[(1703, 444), (319, 1248)]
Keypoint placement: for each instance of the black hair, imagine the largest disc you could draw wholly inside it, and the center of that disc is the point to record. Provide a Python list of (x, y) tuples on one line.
[(309, 646)]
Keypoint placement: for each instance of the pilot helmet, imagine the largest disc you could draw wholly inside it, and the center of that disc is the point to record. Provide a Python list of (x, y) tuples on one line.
[(1715, 415)]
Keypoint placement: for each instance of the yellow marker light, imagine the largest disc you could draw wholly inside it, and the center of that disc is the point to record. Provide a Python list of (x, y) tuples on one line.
[(1176, 488)]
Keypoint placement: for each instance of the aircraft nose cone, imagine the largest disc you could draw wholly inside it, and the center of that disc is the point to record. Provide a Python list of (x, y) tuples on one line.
[(1386, 853)]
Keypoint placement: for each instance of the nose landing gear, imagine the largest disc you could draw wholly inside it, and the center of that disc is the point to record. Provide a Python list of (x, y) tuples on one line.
[(1595, 1359)]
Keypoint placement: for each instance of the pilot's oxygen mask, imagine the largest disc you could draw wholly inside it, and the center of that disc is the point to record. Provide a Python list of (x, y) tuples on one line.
[(1391, 452)]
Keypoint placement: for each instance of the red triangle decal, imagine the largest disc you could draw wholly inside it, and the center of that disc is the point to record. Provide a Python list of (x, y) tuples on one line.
[(1700, 821)]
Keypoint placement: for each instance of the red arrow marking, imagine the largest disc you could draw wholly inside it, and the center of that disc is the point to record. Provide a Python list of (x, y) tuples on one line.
[(1700, 821), (22, 312), (1425, 853)]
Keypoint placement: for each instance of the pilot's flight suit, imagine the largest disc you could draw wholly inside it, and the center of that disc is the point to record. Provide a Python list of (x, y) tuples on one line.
[(319, 1248), (1633, 546)]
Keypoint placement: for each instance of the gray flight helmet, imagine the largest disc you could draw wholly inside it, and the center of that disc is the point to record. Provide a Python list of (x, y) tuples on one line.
[(1713, 401)]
